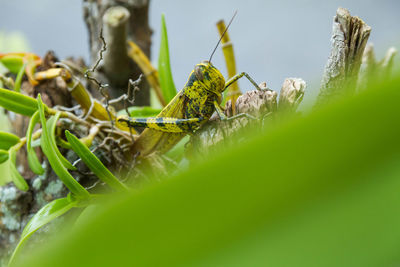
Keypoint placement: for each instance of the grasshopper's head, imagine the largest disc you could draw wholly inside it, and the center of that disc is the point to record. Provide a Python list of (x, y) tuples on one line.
[(209, 77)]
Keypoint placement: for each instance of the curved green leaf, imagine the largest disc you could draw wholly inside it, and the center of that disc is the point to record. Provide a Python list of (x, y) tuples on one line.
[(94, 163), (164, 68), (17, 102), (16, 177), (51, 126), (49, 150), (4, 156), (33, 160), (49, 212), (141, 112), (8, 140), (18, 79), (144, 112), (62, 143), (12, 62)]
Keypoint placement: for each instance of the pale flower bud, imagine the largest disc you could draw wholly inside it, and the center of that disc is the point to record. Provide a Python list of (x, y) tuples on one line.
[(291, 95)]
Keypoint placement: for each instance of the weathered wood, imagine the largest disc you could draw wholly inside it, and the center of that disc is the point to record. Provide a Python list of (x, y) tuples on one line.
[(263, 107), (217, 134), (116, 64), (349, 38)]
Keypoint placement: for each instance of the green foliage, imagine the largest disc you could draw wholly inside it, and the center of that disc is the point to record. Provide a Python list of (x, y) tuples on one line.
[(164, 66), (141, 112), (49, 148), (8, 140), (321, 190), (17, 102), (4, 170), (12, 62), (33, 160), (51, 126), (49, 212), (4, 155), (16, 177), (94, 163), (80, 197), (18, 80)]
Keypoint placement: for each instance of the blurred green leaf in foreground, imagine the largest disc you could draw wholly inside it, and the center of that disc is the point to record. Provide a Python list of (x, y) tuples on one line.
[(322, 190), (9, 42)]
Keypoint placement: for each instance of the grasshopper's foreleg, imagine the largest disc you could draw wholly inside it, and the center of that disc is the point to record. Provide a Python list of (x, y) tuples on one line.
[(220, 111), (165, 124), (237, 77)]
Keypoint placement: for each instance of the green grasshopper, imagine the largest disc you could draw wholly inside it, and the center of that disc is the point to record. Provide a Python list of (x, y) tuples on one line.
[(187, 111)]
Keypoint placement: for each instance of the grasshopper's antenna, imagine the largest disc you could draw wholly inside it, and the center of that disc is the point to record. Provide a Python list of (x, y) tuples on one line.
[(222, 36)]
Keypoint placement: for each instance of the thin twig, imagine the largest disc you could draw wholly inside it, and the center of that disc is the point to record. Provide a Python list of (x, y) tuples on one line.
[(101, 86)]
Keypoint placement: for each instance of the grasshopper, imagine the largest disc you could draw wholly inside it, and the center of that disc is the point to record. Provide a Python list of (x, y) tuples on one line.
[(187, 111)]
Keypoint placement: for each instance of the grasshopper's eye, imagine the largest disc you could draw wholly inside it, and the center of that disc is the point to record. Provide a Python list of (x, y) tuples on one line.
[(199, 73)]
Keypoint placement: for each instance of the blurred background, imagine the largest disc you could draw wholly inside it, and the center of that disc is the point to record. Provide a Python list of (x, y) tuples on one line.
[(272, 40)]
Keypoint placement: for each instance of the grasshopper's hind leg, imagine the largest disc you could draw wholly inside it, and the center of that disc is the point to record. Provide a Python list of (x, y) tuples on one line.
[(164, 124)]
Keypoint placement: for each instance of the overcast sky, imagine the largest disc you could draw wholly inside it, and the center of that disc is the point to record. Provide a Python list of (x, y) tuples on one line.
[(272, 40)]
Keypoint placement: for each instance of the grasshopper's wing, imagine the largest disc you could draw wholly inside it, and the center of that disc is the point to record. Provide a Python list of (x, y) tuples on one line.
[(151, 140), (175, 108)]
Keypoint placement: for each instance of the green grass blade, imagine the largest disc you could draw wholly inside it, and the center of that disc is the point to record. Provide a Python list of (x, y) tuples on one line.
[(17, 102), (164, 67), (94, 163), (16, 177), (33, 160), (49, 150), (49, 212), (326, 195), (18, 79), (7, 140), (51, 126), (4, 156)]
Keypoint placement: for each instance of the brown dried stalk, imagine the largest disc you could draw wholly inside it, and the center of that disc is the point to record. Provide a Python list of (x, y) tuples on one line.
[(227, 48)]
